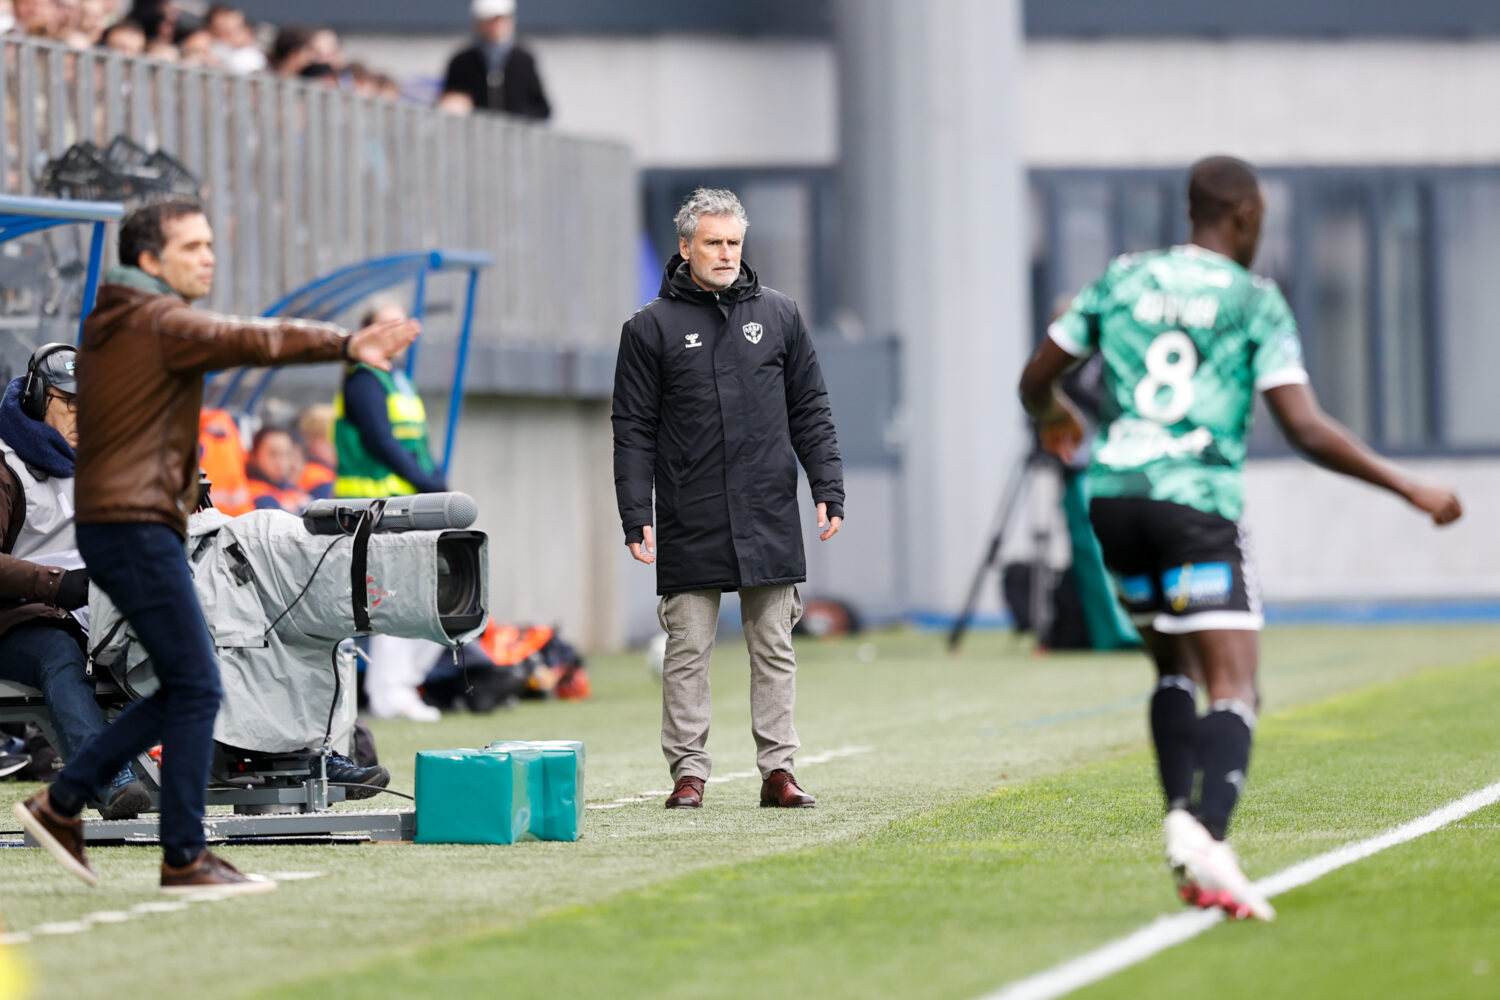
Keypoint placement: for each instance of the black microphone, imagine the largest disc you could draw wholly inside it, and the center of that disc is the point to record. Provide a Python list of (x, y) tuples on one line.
[(421, 512)]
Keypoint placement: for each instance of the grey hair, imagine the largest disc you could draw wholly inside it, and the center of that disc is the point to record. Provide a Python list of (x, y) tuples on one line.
[(708, 201)]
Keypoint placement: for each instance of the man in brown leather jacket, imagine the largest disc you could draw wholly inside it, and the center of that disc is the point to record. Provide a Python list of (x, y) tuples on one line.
[(145, 351)]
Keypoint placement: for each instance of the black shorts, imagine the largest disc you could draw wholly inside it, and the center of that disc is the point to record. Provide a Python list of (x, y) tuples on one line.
[(1177, 569)]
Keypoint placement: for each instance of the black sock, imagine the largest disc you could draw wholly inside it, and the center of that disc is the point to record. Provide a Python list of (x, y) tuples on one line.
[(1224, 751), (1174, 723)]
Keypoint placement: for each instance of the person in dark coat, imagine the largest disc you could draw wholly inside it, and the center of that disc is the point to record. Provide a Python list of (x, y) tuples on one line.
[(718, 396), (497, 74)]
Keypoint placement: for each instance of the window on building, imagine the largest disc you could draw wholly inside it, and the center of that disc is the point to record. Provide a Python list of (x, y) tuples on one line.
[(1468, 221)]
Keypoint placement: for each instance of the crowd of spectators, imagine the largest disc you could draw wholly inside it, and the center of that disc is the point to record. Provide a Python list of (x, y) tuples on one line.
[(222, 38), (494, 74)]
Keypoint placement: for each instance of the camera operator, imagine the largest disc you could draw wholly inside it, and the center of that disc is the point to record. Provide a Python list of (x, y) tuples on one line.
[(41, 576), (144, 353)]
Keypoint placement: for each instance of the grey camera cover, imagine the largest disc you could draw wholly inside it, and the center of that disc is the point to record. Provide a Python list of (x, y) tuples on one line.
[(277, 669)]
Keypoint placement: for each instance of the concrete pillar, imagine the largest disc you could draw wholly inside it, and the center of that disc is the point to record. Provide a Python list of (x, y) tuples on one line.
[(934, 241)]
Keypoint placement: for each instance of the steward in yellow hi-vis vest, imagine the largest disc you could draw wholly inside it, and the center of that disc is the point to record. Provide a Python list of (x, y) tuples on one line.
[(380, 433)]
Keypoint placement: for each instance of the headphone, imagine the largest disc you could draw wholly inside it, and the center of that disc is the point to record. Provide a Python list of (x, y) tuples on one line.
[(34, 389)]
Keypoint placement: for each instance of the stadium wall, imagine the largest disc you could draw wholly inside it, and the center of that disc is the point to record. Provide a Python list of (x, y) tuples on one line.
[(1322, 538)]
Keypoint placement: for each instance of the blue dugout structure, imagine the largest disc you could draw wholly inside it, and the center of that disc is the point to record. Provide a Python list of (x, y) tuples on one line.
[(21, 216), (326, 298)]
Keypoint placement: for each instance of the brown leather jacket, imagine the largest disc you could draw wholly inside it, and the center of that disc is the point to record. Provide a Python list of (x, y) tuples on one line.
[(140, 387), (27, 590)]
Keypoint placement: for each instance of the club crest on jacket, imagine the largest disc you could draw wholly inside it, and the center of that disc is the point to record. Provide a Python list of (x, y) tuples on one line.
[(752, 332)]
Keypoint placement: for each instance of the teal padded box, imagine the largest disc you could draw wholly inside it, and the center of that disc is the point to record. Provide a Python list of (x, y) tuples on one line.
[(509, 791), (555, 782)]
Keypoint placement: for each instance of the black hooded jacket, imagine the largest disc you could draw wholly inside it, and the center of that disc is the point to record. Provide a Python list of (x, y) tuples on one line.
[(717, 397)]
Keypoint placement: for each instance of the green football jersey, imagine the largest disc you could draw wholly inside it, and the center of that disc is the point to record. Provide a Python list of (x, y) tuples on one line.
[(1188, 338)]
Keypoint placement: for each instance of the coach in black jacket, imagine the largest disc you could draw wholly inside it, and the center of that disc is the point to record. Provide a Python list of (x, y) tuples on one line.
[(718, 395), (498, 74)]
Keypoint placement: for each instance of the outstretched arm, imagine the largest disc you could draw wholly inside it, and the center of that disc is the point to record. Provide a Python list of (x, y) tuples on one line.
[(1327, 442)]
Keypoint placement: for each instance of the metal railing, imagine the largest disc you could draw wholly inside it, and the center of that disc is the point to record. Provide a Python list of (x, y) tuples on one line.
[(301, 179)]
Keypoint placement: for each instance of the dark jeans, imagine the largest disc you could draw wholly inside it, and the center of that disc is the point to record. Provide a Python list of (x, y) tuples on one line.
[(143, 568), (48, 658)]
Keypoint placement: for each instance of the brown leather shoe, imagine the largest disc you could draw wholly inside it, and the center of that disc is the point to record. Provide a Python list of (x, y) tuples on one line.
[(209, 874), (780, 790), (60, 835), (686, 794)]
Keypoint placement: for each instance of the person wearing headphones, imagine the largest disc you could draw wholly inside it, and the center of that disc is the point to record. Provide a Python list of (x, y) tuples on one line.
[(43, 587)]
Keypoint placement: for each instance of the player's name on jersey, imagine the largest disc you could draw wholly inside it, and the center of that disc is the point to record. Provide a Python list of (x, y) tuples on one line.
[(1133, 443), (1198, 311)]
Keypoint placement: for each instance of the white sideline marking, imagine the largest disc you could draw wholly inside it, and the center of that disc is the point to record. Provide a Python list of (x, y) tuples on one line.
[(817, 758), (1164, 932), (91, 920), (63, 927)]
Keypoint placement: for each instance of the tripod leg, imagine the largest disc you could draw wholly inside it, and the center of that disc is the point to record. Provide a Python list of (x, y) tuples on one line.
[(1008, 499)]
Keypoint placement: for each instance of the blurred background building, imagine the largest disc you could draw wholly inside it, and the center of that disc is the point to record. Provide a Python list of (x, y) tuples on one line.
[(927, 179)]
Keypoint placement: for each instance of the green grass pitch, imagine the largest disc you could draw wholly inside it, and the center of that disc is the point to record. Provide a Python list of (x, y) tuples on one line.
[(983, 818)]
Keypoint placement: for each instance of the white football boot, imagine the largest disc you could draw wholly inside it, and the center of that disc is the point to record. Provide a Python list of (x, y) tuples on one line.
[(1208, 874)]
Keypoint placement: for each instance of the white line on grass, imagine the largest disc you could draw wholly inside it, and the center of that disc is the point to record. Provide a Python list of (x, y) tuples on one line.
[(89, 921), (1164, 932), (647, 796)]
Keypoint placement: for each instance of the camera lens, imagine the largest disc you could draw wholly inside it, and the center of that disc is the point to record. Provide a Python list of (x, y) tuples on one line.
[(459, 592)]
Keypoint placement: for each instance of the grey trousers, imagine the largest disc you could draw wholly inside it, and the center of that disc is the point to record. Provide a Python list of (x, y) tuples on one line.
[(691, 621)]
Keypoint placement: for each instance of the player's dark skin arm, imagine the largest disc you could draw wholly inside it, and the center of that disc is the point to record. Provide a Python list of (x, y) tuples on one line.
[(1328, 443), (1058, 422)]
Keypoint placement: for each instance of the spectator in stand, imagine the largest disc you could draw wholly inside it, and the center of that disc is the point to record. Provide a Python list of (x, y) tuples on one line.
[(197, 49), (323, 43), (38, 18), (94, 16), (496, 73), (315, 425), (362, 82), (126, 37), (290, 51), (388, 88), (162, 20), (273, 470), (234, 40)]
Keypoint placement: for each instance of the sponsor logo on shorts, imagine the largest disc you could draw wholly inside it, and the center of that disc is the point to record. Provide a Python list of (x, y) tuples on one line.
[(1136, 589), (1196, 585)]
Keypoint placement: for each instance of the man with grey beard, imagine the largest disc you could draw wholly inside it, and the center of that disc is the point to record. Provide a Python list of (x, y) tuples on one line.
[(718, 396)]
